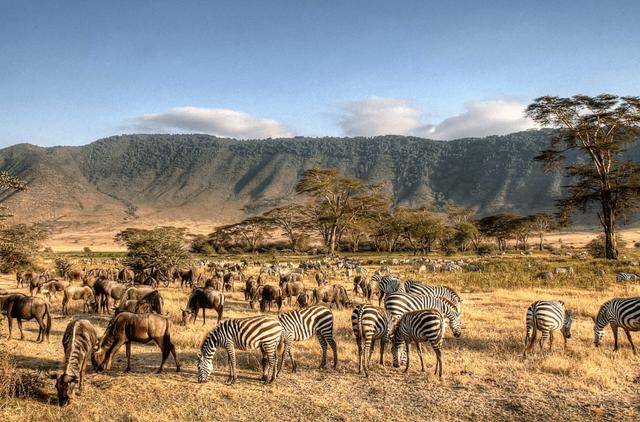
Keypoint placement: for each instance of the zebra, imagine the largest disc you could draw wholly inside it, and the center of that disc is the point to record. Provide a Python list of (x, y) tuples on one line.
[(620, 276), (623, 312), (302, 324), (398, 304), (370, 324), (386, 285), (546, 316), (263, 332), (419, 326), (419, 288)]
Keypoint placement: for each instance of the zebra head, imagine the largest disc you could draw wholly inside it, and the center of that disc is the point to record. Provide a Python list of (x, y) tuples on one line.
[(205, 359), (566, 326), (599, 322)]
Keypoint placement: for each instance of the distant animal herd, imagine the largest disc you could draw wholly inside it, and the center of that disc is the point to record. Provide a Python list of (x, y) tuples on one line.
[(413, 313)]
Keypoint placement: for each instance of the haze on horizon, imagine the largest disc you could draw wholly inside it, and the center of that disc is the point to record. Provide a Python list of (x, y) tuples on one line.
[(76, 71)]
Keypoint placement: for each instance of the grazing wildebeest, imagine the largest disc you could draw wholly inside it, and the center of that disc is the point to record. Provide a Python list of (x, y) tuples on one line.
[(267, 295), (305, 298), (361, 284), (292, 289), (79, 340), (24, 307), (127, 327), (334, 294), (35, 283), (203, 298), (321, 279), (52, 287), (84, 293), (149, 303)]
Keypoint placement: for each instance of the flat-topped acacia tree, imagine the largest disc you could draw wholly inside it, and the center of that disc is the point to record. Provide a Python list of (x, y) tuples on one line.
[(598, 128)]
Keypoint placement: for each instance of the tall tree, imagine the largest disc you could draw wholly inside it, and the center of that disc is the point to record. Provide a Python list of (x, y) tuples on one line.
[(9, 183), (291, 219), (599, 128), (338, 200), (542, 224)]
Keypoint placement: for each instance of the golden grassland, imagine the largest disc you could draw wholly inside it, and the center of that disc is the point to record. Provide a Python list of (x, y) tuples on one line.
[(485, 375)]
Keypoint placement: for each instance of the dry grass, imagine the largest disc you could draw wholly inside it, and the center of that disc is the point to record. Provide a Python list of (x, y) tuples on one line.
[(485, 374)]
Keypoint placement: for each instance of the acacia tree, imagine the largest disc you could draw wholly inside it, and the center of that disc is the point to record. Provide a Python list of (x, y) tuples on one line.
[(162, 248), (9, 183), (338, 200), (598, 128), (542, 223), (291, 219)]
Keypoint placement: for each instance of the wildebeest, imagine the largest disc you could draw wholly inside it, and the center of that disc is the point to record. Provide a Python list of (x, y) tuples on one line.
[(136, 292), (292, 289), (79, 340), (23, 307), (73, 275), (107, 289), (186, 277), (321, 279), (266, 295), (126, 275), (305, 298), (361, 284), (84, 293), (126, 328), (35, 283), (250, 287), (52, 287), (22, 278), (334, 294), (150, 303), (203, 298)]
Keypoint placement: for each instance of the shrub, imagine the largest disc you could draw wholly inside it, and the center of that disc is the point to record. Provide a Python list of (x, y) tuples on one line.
[(596, 246), (161, 248), (486, 249), (86, 249), (14, 383), (19, 246)]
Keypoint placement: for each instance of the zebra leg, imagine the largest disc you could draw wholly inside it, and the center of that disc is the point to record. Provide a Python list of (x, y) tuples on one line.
[(615, 338), (383, 343), (334, 349), (231, 356), (633, 347), (406, 346), (420, 355), (294, 366), (438, 371), (530, 338), (550, 341), (359, 344), (543, 337), (366, 355), (323, 345), (273, 362)]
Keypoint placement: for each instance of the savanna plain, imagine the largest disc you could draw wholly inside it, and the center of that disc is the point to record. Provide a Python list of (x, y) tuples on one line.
[(485, 374)]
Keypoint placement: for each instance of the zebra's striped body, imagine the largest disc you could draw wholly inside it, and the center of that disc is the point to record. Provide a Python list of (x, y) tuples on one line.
[(620, 276), (258, 332), (546, 316), (419, 288), (398, 304), (302, 324), (622, 313), (417, 327), (369, 324), (387, 285)]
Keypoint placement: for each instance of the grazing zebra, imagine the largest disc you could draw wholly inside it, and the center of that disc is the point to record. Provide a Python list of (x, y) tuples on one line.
[(370, 324), (547, 316), (419, 288), (302, 324), (386, 285), (620, 276), (263, 332), (622, 313), (416, 327), (398, 304)]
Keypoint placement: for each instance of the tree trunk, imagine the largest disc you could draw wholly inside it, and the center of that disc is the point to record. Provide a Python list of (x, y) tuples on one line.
[(608, 221), (540, 246)]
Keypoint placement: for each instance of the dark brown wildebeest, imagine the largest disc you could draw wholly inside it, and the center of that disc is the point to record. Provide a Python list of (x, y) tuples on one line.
[(23, 307), (84, 293), (149, 303), (305, 298), (292, 289), (23, 277), (250, 287), (203, 298), (321, 279), (334, 294), (79, 340), (35, 283), (125, 275), (74, 275), (128, 327), (267, 295), (50, 288), (187, 277), (361, 284), (107, 289), (212, 283), (290, 278)]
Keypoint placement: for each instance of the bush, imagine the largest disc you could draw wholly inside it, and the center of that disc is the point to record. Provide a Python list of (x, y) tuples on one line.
[(14, 383), (19, 246), (86, 249), (161, 248), (596, 246), (486, 249)]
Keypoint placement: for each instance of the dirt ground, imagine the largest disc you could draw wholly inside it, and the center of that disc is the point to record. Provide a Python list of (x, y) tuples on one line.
[(485, 375)]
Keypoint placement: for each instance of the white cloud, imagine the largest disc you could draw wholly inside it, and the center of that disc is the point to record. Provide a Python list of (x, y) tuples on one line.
[(214, 121), (383, 116)]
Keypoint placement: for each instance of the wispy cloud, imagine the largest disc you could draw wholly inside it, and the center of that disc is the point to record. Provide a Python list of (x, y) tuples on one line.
[(214, 121), (383, 116)]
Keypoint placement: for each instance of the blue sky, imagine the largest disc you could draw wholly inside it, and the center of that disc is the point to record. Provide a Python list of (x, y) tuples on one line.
[(75, 71)]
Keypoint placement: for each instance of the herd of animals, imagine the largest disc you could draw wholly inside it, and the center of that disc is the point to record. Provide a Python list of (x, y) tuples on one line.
[(414, 312)]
